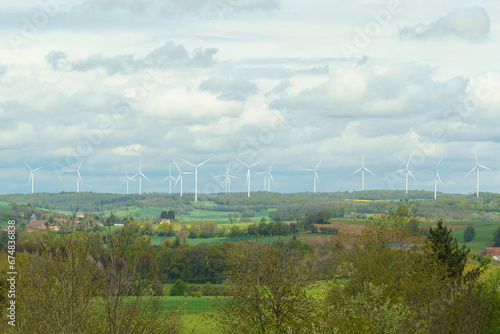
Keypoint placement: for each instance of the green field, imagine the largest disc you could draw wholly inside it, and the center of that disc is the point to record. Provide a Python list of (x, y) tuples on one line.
[(197, 313), (4, 206)]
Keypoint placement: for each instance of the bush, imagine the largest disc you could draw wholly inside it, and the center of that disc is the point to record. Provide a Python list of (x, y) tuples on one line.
[(179, 288)]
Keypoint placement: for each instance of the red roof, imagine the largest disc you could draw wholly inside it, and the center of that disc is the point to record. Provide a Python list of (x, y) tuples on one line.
[(494, 251), (35, 225)]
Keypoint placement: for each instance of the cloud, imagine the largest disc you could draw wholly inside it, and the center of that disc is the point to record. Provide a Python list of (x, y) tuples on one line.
[(3, 70), (183, 8), (130, 150), (230, 89), (53, 58), (169, 55), (470, 24)]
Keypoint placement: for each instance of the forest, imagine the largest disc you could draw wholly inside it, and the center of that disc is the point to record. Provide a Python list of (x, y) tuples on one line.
[(403, 273)]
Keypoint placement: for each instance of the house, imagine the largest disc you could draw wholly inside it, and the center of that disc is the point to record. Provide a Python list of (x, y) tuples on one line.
[(36, 225), (164, 220), (493, 251)]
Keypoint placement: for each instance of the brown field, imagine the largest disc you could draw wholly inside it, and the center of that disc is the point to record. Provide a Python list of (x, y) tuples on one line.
[(347, 233)]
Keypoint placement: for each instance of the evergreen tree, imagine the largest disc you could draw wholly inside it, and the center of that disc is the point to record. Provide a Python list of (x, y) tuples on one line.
[(496, 238), (469, 234), (447, 251)]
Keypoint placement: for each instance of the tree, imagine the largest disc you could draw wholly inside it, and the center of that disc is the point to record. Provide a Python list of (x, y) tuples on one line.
[(267, 288), (496, 238), (469, 234), (178, 288), (445, 248)]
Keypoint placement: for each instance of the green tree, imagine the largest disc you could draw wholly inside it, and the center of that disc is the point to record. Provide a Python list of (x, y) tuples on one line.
[(469, 234), (267, 289), (445, 248), (178, 288), (496, 238)]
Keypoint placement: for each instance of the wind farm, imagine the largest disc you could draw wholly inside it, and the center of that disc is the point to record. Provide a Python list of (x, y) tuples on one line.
[(229, 181)]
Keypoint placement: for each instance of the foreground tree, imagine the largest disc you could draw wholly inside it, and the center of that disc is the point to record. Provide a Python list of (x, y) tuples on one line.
[(267, 288)]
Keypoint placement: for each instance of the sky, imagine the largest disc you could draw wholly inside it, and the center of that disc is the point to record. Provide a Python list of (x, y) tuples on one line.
[(122, 83)]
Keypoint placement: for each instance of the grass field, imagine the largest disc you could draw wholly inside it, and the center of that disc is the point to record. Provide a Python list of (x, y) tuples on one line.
[(4, 206), (197, 313)]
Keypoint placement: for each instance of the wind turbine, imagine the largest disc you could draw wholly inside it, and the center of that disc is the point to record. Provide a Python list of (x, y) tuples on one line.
[(32, 176), (78, 176), (227, 179), (268, 177), (141, 175), (362, 170), (195, 177), (248, 172), (315, 177), (407, 171), (264, 175), (181, 173), (477, 167), (128, 178), (170, 178), (436, 178)]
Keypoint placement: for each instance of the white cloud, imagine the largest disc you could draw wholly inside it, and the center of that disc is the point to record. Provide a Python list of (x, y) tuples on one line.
[(471, 24)]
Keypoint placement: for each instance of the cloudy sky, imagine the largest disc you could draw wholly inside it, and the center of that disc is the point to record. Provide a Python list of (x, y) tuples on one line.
[(284, 81)]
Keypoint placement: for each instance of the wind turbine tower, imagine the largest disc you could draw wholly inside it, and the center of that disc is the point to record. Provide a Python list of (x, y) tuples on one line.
[(406, 171), (32, 176), (195, 177), (315, 176), (227, 179), (170, 178), (362, 170), (78, 176), (181, 173), (437, 178), (127, 179), (141, 175), (269, 177), (477, 167), (248, 172)]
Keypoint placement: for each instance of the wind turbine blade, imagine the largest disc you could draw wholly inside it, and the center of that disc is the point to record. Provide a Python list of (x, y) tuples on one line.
[(258, 162), (176, 165), (178, 178), (411, 175), (473, 169), (437, 174), (124, 181), (309, 170), (369, 171), (30, 179), (271, 177), (399, 171), (79, 176), (318, 165), (477, 162), (408, 163), (203, 162), (189, 163), (316, 176), (242, 162), (485, 167), (80, 165), (271, 168), (28, 166), (359, 170), (439, 162), (34, 170), (144, 176)]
